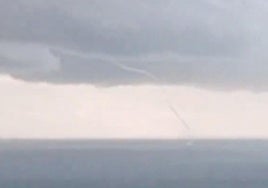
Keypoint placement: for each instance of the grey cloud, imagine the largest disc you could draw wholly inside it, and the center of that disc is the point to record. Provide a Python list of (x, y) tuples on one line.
[(24, 59), (208, 43)]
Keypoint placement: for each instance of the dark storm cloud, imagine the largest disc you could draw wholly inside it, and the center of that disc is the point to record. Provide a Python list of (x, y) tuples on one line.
[(204, 43)]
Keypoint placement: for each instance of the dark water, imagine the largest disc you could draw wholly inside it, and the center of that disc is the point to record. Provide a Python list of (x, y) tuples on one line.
[(134, 164)]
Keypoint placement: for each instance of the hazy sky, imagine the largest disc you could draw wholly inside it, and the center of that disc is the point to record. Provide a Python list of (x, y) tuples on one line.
[(112, 69)]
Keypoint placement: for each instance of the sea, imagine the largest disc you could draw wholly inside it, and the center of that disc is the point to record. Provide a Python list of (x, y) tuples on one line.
[(134, 164)]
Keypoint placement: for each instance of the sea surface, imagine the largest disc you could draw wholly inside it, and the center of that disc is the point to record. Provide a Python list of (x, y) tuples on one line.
[(133, 164)]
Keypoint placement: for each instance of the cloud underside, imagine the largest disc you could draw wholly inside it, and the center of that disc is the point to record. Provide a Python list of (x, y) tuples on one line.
[(207, 43)]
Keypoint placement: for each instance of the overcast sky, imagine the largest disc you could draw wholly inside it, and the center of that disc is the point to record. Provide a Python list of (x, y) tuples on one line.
[(111, 69)]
